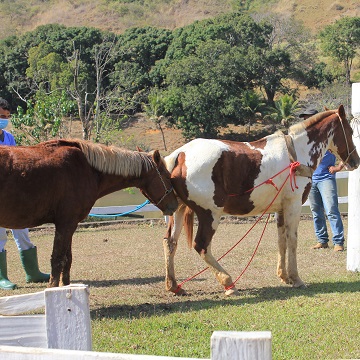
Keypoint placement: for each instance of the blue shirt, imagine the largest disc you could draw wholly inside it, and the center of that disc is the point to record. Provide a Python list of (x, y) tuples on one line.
[(322, 171), (8, 139)]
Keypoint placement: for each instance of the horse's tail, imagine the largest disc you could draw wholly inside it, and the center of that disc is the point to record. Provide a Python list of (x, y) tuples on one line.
[(189, 225)]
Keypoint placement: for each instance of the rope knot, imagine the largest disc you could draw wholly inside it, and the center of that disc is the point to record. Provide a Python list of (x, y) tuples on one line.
[(271, 182), (293, 167)]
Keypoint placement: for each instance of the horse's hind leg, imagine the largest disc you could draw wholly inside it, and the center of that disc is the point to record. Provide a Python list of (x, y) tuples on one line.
[(170, 245), (203, 239)]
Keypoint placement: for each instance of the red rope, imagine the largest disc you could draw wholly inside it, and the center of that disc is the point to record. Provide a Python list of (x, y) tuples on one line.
[(292, 178), (251, 259)]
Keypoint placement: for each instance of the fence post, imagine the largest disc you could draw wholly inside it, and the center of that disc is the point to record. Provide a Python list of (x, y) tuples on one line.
[(67, 315), (235, 345), (353, 246)]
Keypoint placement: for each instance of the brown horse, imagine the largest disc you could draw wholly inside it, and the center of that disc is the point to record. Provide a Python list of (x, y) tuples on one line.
[(214, 177), (59, 181)]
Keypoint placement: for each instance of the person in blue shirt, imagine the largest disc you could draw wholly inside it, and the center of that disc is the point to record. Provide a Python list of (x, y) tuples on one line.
[(323, 199), (28, 252)]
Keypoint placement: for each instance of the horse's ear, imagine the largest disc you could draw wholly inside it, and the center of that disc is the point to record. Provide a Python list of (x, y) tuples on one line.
[(325, 108), (156, 157), (341, 111)]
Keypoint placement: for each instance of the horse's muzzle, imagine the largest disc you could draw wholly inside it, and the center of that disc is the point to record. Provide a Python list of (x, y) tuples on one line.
[(170, 210)]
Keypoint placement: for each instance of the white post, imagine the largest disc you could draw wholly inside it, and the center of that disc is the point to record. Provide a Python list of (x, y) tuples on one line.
[(353, 241), (237, 345), (67, 315)]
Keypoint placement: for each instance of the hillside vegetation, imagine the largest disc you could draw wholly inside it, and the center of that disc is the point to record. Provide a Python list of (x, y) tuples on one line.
[(207, 74), (19, 16)]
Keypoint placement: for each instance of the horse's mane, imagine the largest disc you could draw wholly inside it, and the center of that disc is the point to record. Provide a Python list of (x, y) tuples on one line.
[(299, 127), (114, 160)]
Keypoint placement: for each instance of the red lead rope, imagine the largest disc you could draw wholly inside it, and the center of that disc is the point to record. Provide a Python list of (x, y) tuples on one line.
[(292, 178)]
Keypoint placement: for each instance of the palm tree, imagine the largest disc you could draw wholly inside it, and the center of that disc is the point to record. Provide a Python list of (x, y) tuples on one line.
[(252, 104), (285, 109), (154, 110)]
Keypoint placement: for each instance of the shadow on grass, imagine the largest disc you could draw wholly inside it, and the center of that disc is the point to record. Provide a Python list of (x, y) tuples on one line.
[(130, 281), (248, 296)]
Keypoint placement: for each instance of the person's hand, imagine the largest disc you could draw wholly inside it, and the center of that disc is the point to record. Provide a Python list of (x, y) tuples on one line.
[(335, 169)]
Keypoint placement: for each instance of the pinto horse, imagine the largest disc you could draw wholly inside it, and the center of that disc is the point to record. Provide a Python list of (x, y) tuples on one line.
[(58, 182), (215, 177)]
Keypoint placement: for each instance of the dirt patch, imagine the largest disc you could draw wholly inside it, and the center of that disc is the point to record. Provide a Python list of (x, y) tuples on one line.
[(127, 262)]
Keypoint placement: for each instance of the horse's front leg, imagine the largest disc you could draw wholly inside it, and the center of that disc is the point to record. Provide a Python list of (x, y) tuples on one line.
[(61, 257), (291, 220), (67, 230), (170, 245), (220, 274), (281, 265), (57, 260), (292, 229), (206, 230)]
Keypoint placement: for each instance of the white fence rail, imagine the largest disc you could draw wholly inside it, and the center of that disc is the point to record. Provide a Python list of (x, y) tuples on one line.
[(65, 325), (64, 332)]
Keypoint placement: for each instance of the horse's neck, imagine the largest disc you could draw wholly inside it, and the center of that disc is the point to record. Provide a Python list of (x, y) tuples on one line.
[(309, 154)]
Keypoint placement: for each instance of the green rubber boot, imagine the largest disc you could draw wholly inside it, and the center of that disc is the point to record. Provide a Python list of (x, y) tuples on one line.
[(5, 283), (30, 264)]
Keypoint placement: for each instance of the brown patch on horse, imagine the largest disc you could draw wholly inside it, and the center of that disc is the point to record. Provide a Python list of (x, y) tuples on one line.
[(306, 193), (235, 174), (178, 176), (315, 135)]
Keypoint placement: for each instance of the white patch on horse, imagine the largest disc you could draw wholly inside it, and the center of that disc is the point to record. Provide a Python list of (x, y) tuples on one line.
[(200, 160), (275, 159), (303, 148), (201, 157)]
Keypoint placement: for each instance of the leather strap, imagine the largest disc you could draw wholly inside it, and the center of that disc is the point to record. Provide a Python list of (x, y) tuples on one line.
[(301, 170)]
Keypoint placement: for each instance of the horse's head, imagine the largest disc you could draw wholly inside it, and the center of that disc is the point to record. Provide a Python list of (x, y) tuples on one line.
[(157, 185), (342, 143), (327, 130)]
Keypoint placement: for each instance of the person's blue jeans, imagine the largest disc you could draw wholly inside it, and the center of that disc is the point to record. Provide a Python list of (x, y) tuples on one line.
[(323, 199)]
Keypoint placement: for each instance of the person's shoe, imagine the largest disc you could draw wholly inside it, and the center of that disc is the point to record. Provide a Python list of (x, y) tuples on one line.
[(320, 246), (30, 264), (5, 283), (338, 248)]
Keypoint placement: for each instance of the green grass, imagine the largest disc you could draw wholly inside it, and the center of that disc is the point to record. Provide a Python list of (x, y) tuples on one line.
[(319, 322), (132, 313)]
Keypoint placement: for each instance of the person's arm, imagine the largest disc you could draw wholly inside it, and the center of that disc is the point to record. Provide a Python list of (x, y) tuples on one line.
[(335, 169)]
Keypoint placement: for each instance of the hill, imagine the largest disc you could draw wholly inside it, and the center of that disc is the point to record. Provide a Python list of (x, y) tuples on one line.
[(19, 16)]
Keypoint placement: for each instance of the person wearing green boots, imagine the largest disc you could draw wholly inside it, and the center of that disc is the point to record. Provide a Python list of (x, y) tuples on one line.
[(28, 252)]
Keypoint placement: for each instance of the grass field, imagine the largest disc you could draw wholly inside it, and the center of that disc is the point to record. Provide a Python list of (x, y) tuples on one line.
[(132, 313)]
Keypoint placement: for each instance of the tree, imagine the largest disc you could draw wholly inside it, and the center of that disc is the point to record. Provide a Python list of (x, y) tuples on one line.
[(43, 119), (341, 41), (155, 110), (285, 110), (83, 93), (253, 105), (44, 67), (205, 89), (137, 52)]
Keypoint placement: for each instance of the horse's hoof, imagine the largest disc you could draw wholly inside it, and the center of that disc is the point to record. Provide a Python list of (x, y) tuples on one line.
[(179, 292), (299, 285), (232, 292)]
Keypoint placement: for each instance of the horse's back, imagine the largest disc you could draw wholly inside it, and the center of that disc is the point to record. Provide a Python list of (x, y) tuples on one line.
[(224, 176)]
